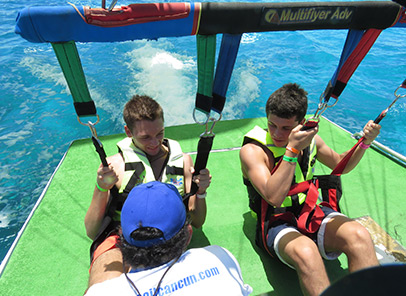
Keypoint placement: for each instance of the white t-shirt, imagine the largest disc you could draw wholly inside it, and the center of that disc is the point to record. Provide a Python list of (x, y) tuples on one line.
[(211, 270)]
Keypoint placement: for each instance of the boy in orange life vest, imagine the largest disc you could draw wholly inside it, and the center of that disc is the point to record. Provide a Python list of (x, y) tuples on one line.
[(144, 156), (284, 141)]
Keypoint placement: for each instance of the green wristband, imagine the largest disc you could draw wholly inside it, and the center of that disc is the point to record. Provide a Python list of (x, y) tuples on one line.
[(289, 159), (101, 189)]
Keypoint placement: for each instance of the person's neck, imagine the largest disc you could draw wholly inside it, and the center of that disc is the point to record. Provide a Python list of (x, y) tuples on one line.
[(161, 154)]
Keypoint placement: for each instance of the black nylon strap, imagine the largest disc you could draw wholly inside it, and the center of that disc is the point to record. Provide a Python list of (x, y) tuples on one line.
[(218, 102), (203, 102), (172, 170), (203, 150)]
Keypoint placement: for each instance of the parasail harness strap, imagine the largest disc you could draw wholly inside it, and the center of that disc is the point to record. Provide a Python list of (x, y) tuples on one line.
[(69, 61), (211, 93), (357, 45)]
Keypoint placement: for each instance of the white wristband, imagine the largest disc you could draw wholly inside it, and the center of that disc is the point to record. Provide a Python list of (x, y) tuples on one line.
[(201, 196)]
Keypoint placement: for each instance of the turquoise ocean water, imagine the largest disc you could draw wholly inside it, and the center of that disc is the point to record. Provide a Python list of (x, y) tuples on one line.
[(37, 118)]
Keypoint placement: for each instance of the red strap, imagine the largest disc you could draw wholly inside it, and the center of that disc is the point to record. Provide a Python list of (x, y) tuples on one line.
[(332, 201), (312, 196), (358, 54), (308, 206), (299, 187), (338, 170), (287, 216)]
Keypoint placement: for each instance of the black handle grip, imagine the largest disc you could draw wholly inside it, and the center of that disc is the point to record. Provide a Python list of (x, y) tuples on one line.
[(203, 151), (100, 150), (380, 117)]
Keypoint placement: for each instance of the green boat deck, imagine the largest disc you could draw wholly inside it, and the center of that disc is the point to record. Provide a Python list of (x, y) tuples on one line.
[(52, 256)]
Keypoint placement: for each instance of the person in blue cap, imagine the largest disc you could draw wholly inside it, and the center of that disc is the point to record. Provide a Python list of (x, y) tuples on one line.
[(155, 233)]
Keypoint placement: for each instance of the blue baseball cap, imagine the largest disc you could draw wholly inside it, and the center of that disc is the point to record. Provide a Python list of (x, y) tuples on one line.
[(153, 204)]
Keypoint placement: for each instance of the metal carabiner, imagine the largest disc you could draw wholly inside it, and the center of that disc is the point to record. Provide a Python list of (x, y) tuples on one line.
[(209, 131), (322, 106), (200, 122), (399, 87), (324, 98), (91, 125), (397, 96), (92, 129)]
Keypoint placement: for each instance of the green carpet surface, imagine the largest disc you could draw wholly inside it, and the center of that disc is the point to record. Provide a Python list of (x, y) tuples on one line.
[(52, 256)]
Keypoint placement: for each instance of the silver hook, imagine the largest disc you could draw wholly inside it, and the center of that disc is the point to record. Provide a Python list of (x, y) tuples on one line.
[(323, 105), (320, 110), (92, 129), (399, 96), (208, 131), (200, 122), (91, 125)]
